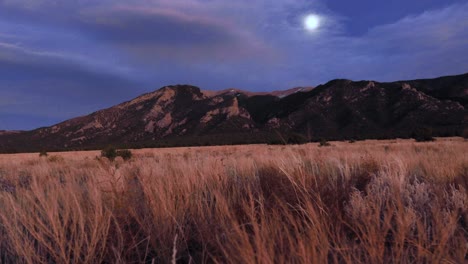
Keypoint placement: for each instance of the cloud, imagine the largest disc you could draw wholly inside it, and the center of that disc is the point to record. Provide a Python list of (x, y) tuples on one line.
[(163, 33), (431, 29), (192, 31), (183, 30), (427, 45), (261, 37), (20, 62), (53, 86)]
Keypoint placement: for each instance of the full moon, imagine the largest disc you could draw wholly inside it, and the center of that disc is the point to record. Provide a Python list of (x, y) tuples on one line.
[(312, 22)]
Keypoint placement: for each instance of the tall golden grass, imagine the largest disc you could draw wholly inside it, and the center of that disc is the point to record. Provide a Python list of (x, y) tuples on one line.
[(366, 202)]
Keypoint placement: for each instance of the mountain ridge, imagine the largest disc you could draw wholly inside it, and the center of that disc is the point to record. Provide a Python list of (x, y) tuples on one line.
[(179, 115)]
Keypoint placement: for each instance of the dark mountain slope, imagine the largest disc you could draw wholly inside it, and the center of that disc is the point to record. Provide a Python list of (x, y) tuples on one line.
[(186, 115), (444, 88)]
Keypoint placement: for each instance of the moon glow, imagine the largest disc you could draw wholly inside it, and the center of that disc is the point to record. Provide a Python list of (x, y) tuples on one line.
[(311, 22)]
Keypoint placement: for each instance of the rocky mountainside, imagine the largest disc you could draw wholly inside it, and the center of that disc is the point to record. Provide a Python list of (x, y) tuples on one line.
[(9, 132), (185, 115)]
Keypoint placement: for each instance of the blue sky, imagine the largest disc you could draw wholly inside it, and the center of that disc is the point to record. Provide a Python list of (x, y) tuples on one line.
[(62, 59)]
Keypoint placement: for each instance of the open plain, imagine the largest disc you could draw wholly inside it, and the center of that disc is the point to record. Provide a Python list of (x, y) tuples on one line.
[(392, 201)]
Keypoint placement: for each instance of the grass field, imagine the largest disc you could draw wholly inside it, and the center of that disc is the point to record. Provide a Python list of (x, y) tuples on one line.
[(365, 202)]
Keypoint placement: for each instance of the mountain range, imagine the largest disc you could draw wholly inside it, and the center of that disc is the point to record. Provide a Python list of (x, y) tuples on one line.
[(185, 115)]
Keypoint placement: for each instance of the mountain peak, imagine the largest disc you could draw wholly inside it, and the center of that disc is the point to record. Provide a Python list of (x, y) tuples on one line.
[(181, 87), (185, 115)]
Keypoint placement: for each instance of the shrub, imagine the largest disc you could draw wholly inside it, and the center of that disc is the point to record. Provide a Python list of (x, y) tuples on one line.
[(324, 143), (423, 134), (55, 158), (43, 154), (125, 154), (109, 153), (465, 133), (297, 139)]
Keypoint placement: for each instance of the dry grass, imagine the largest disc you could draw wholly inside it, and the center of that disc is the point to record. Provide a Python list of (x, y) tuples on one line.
[(366, 202)]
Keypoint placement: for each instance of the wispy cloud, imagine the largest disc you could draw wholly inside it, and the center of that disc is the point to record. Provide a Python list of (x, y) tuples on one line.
[(42, 82), (155, 33), (430, 44), (263, 35)]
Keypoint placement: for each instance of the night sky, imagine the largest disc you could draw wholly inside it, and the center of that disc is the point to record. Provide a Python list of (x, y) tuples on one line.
[(62, 59)]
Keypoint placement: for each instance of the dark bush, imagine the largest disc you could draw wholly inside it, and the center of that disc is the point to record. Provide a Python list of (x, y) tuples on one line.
[(276, 141), (324, 143), (43, 154), (109, 153), (125, 154), (297, 139), (465, 133), (423, 134)]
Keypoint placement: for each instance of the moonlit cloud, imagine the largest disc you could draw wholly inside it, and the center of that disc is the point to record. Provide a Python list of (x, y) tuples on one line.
[(426, 45), (155, 33)]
